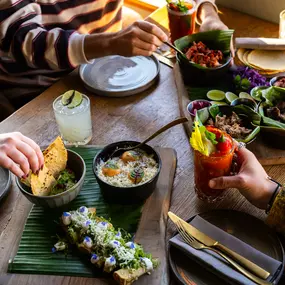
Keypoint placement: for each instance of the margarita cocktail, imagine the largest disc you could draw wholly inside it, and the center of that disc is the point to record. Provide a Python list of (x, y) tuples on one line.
[(73, 117)]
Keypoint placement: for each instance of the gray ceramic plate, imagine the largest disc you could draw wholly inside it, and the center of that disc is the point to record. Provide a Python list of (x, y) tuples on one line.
[(118, 76), (243, 226), (5, 182)]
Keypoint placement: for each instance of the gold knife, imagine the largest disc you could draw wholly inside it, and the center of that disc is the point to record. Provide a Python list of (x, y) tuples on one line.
[(208, 241)]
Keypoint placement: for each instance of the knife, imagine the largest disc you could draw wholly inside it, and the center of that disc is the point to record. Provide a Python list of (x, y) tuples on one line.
[(208, 241)]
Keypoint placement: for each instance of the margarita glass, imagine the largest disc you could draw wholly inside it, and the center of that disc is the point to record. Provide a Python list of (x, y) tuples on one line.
[(74, 124)]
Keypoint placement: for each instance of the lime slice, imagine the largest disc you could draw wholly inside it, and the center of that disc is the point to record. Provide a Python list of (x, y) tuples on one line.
[(230, 96), (67, 97), (218, 103), (245, 95), (216, 95)]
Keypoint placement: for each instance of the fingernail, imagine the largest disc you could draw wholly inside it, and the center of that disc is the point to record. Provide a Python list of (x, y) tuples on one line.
[(24, 176), (212, 184)]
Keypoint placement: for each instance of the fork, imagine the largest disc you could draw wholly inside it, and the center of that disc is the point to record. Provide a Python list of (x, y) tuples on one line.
[(190, 240)]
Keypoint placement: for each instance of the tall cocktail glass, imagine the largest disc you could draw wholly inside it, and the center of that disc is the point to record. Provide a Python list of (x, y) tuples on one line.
[(182, 23), (74, 124), (207, 167)]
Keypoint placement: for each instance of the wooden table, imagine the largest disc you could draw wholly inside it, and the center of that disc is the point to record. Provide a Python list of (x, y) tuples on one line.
[(117, 119)]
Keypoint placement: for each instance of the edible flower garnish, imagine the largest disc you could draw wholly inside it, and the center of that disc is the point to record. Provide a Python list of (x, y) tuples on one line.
[(202, 140), (246, 78), (106, 247)]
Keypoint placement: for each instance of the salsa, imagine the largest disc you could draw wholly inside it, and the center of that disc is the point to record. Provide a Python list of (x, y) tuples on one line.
[(65, 180)]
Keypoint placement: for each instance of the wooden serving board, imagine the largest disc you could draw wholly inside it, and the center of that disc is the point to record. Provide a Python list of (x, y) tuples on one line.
[(151, 232), (266, 155)]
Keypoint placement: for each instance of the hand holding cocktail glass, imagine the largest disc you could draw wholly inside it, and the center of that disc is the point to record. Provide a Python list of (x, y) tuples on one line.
[(213, 155), (251, 180)]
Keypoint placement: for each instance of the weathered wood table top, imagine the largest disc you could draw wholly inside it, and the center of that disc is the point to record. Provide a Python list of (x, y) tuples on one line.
[(113, 120)]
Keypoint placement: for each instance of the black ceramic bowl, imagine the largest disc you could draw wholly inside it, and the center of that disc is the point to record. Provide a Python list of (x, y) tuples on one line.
[(125, 195), (202, 76), (76, 163), (245, 101)]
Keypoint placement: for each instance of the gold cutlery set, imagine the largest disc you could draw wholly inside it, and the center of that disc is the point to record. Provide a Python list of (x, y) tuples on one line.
[(198, 240)]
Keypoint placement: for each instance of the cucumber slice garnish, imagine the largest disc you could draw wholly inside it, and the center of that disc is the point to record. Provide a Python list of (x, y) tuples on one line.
[(216, 95)]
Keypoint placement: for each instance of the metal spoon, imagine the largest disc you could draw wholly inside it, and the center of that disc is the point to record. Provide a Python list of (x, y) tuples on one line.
[(161, 130), (176, 49)]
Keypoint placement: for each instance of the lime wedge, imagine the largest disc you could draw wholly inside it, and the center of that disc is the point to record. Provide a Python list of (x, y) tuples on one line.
[(218, 103), (216, 95), (245, 95), (67, 97), (230, 96)]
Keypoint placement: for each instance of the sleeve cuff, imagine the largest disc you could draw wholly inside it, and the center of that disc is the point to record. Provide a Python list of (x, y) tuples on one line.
[(76, 52), (198, 21)]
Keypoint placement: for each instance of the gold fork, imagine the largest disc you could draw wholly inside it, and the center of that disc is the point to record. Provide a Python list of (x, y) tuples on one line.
[(190, 240)]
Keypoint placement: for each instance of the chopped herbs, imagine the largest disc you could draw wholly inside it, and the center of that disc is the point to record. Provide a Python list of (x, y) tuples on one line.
[(65, 181)]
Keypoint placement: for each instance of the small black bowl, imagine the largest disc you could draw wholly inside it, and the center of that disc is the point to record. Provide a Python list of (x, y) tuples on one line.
[(245, 101), (125, 195)]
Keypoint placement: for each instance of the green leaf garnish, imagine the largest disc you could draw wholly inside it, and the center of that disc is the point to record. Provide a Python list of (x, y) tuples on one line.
[(222, 139), (211, 137), (245, 83)]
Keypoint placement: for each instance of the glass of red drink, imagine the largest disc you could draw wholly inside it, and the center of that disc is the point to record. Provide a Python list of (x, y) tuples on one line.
[(215, 165), (181, 16)]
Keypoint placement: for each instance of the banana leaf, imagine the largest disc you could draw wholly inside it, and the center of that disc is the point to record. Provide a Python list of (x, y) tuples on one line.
[(34, 255), (269, 96), (203, 115), (218, 40)]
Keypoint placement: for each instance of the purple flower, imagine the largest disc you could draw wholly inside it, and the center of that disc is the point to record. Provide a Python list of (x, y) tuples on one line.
[(112, 259), (66, 214), (53, 250)]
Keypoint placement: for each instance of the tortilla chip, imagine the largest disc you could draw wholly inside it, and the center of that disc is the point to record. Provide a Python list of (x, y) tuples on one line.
[(268, 60), (27, 181), (56, 157), (42, 183)]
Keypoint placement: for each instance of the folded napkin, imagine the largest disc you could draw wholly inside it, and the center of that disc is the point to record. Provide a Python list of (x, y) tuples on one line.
[(216, 263)]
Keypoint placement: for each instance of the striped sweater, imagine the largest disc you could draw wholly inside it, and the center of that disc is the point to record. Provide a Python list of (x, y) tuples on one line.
[(39, 39)]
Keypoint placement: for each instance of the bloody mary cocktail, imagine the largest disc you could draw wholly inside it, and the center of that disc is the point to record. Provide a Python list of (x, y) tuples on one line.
[(181, 16), (212, 161)]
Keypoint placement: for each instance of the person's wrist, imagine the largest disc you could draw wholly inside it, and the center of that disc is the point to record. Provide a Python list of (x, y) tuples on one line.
[(98, 45), (269, 190), (207, 10)]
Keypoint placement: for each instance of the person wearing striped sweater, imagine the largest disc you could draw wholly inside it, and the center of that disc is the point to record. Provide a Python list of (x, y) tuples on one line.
[(42, 40)]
